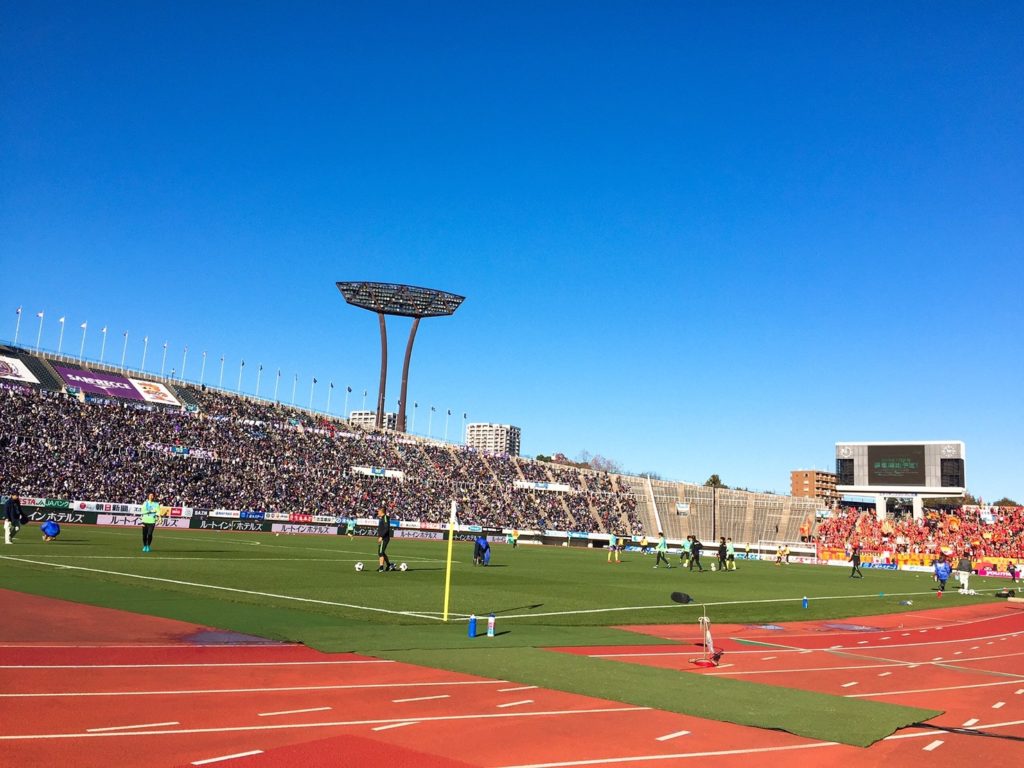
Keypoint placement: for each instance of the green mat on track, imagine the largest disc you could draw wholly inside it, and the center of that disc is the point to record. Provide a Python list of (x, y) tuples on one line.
[(805, 713)]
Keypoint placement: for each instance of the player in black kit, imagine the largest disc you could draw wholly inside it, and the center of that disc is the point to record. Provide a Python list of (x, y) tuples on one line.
[(383, 538)]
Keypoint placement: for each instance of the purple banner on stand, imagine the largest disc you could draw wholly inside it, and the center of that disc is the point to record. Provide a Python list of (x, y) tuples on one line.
[(97, 383)]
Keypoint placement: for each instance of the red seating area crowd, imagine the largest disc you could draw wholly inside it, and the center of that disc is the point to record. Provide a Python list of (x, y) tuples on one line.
[(976, 531)]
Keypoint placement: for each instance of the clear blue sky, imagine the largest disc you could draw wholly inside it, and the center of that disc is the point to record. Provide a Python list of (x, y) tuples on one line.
[(695, 238)]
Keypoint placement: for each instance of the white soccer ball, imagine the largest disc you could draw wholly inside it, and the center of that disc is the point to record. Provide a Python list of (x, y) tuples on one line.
[(403, 567), (359, 566), (714, 566)]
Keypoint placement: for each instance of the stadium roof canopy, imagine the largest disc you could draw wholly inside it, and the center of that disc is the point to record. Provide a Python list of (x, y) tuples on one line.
[(405, 300)]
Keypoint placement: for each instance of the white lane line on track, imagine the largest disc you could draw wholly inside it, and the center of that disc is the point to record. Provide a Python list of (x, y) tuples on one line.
[(129, 727), (999, 705), (193, 666), (350, 686), (884, 674), (394, 725), (937, 658), (668, 736), (331, 724), (932, 690), (209, 760), (421, 698), (518, 688), (769, 658), (217, 587), (515, 703), (291, 712), (969, 723), (849, 685), (852, 667), (933, 746), (1019, 692)]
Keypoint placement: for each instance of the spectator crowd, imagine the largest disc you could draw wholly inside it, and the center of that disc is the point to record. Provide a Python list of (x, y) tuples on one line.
[(978, 531), (227, 452)]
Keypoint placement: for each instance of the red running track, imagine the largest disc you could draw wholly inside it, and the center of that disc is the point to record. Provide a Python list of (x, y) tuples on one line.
[(170, 696)]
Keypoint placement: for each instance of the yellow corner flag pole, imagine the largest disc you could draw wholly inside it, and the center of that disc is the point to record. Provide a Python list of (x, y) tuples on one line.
[(448, 567)]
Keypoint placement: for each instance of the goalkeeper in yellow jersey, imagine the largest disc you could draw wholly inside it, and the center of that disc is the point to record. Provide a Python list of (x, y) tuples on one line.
[(151, 512)]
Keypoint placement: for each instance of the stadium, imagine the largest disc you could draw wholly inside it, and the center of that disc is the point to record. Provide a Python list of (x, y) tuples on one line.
[(570, 640)]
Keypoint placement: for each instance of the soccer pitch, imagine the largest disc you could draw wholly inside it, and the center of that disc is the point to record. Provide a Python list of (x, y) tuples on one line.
[(306, 588)]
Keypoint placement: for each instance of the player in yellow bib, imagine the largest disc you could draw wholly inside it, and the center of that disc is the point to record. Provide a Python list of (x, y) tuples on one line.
[(151, 512)]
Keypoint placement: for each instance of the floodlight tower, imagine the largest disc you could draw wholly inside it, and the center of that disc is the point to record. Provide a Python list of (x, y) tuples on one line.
[(405, 301)]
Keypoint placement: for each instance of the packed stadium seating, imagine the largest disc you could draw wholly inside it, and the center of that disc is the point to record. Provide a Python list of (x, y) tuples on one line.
[(965, 530)]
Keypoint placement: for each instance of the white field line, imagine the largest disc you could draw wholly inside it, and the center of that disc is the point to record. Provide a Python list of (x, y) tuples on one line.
[(333, 724), (129, 727), (209, 760), (934, 745), (211, 664), (224, 589), (203, 692), (291, 712)]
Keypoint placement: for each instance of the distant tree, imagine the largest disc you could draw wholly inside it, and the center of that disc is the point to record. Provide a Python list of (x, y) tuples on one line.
[(1006, 502), (604, 464), (715, 482), (651, 475), (951, 501), (542, 457)]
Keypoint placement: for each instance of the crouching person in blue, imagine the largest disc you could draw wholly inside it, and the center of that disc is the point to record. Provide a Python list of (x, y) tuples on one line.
[(942, 572), (50, 530), (481, 551)]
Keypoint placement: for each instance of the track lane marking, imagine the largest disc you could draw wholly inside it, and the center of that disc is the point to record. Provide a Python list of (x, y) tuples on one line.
[(515, 703), (969, 723), (209, 760), (246, 690), (394, 725), (668, 736), (199, 666), (933, 746), (421, 698), (129, 727), (291, 712)]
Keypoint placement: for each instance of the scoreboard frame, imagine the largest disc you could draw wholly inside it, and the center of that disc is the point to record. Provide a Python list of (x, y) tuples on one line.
[(902, 468)]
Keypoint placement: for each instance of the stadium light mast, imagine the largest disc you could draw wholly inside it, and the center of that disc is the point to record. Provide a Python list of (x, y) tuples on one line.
[(404, 301)]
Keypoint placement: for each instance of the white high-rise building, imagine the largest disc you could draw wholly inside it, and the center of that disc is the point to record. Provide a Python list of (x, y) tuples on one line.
[(497, 438), (368, 419)]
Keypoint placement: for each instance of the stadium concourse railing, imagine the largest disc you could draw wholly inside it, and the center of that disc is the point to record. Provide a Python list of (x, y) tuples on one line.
[(682, 508)]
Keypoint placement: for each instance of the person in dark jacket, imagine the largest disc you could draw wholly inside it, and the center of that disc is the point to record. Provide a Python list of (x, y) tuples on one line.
[(13, 516), (855, 562), (383, 539), (721, 554), (695, 548)]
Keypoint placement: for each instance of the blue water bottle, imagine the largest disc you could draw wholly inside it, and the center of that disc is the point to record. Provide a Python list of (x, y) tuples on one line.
[(472, 625), (805, 602)]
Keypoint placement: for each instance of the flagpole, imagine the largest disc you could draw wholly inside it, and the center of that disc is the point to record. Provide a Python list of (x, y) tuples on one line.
[(259, 375), (81, 348), (448, 564), (448, 416), (60, 339), (311, 386), (348, 390), (295, 383), (103, 344), (330, 389), (163, 362), (415, 407), (124, 349), (202, 370), (277, 384), (184, 357), (145, 348), (39, 335), (220, 381), (238, 389), (17, 326), (364, 399)]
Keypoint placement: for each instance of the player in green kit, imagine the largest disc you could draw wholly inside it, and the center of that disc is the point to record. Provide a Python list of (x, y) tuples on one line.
[(684, 553), (730, 555), (661, 551), (350, 527)]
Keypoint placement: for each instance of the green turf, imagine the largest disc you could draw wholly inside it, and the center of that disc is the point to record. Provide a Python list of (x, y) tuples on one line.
[(304, 588), (804, 713)]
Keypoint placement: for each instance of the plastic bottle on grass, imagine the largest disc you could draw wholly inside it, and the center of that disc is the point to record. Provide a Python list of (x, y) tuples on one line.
[(490, 625), (804, 601), (472, 625)]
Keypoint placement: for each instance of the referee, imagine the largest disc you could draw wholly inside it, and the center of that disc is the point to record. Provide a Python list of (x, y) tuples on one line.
[(383, 538)]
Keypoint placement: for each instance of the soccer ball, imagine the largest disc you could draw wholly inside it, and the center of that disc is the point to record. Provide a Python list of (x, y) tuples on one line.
[(714, 566), (403, 567), (359, 566)]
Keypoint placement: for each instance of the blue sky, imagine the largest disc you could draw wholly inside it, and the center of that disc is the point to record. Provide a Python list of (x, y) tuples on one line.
[(694, 238)]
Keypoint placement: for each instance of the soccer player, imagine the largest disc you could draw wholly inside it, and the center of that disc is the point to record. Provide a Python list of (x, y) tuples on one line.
[(12, 518), (855, 562), (963, 571), (613, 547), (50, 530), (660, 550), (942, 571), (722, 550), (151, 512), (684, 553), (695, 548), (383, 539), (350, 527), (730, 555)]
